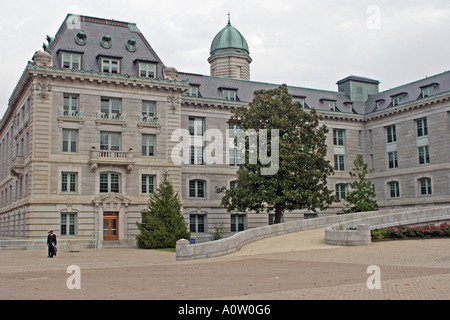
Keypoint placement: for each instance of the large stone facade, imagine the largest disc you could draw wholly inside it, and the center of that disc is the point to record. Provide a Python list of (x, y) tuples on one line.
[(82, 143)]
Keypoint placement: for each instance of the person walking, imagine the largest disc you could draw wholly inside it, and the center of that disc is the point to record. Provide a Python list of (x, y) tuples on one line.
[(51, 243)]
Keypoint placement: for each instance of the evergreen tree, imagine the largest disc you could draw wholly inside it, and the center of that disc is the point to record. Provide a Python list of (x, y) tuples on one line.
[(301, 179), (162, 224), (362, 194)]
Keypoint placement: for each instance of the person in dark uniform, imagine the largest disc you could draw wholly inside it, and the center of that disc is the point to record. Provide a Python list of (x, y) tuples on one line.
[(51, 243)]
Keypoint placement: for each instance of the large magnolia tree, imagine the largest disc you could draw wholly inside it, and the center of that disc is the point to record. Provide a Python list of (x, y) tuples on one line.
[(300, 180)]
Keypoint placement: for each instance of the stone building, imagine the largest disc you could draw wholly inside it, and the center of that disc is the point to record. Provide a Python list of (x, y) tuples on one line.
[(88, 131)]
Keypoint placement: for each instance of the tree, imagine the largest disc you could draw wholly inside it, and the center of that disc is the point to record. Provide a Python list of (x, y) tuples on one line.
[(301, 179), (362, 194), (162, 224)]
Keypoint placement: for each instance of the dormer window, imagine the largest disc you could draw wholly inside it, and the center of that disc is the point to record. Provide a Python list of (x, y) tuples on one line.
[(71, 60), (300, 100), (427, 91), (193, 91), (109, 65), (329, 104), (230, 94), (397, 99), (147, 70), (379, 103)]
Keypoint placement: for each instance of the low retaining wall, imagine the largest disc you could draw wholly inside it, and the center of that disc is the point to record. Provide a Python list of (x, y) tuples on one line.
[(343, 234), (186, 251), (336, 230)]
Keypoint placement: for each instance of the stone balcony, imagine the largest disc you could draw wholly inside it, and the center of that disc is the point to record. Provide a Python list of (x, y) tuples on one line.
[(148, 121), (17, 165), (111, 117), (70, 115), (111, 157)]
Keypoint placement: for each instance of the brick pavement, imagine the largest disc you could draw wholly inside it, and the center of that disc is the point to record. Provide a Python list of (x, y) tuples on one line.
[(296, 266)]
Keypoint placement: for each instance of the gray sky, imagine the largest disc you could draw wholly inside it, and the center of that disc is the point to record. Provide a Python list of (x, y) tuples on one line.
[(306, 43)]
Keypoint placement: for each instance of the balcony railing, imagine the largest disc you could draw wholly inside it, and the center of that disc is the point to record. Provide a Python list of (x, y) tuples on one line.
[(70, 114), (148, 120), (111, 157), (110, 116)]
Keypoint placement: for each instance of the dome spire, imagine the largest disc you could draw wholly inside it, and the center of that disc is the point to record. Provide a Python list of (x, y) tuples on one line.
[(229, 22)]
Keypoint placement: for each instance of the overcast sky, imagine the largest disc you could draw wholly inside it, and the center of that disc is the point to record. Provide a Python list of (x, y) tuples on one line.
[(306, 43)]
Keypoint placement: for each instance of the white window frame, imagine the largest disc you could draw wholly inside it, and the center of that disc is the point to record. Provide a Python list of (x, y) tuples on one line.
[(110, 65), (147, 70), (148, 144), (69, 140), (71, 59), (148, 183), (69, 182)]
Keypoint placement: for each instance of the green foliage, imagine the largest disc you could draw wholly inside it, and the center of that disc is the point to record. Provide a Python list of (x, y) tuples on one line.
[(362, 195), (301, 180), (162, 224)]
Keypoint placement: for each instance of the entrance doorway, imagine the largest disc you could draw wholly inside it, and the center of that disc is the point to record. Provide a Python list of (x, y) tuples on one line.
[(110, 224)]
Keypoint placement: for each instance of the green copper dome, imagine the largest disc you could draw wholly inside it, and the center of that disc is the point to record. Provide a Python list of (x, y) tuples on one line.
[(229, 38)]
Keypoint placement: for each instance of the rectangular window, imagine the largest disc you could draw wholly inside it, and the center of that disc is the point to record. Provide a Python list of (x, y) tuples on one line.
[(426, 91), (237, 222), (110, 65), (149, 108), (110, 107), (197, 223), (71, 61), (341, 191), (197, 143), (110, 140), (69, 181), (234, 150), (397, 100), (422, 127), (394, 189), (230, 95), (197, 189), (193, 91), (148, 144), (69, 140), (339, 162), (148, 183), (424, 154), (338, 137), (391, 134), (393, 160), (330, 105), (68, 224), (71, 102), (425, 186), (109, 182), (147, 70), (299, 100)]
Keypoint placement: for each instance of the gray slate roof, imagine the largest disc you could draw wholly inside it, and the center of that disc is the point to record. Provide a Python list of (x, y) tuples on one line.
[(210, 87), (95, 29)]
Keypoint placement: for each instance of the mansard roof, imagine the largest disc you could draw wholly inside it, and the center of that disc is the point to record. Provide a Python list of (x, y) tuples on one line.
[(96, 37), (211, 88)]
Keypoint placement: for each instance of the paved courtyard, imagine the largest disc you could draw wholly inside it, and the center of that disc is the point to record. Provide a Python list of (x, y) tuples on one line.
[(294, 266)]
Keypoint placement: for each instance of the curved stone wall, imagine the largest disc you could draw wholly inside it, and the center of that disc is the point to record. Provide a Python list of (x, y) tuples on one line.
[(336, 230)]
